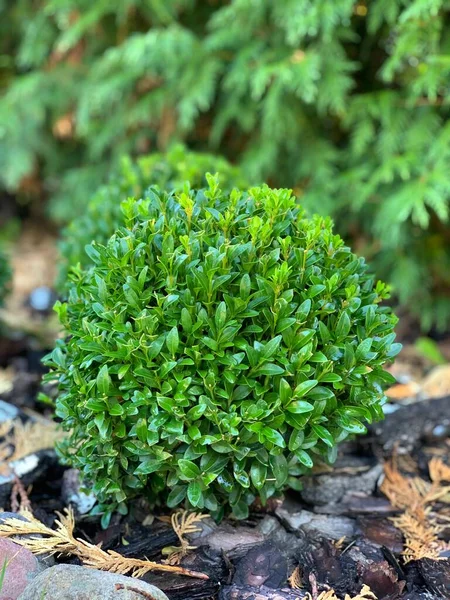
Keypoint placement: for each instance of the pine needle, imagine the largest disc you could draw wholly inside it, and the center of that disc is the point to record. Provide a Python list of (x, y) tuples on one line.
[(415, 497), (439, 471), (62, 541), (364, 594), (295, 579), (183, 522), (338, 544)]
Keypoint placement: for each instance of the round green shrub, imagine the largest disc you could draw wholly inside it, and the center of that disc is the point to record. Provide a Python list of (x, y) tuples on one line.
[(169, 171), (221, 344)]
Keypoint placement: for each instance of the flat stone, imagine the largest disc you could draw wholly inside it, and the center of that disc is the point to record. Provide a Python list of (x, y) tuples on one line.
[(324, 489), (329, 527), (269, 525), (21, 568), (229, 539), (71, 582)]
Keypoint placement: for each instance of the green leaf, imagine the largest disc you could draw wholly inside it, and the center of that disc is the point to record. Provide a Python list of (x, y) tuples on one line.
[(274, 437), (241, 476), (258, 474), (271, 347), (245, 287), (221, 315), (186, 320), (240, 510), (279, 468), (176, 496), (285, 391), (96, 405), (304, 388), (296, 439), (269, 369), (318, 357), (304, 458), (102, 424), (194, 432), (172, 341), (116, 410), (315, 290), (147, 466), (351, 425), (155, 347), (194, 493), (196, 412), (103, 380), (323, 434), (343, 326), (363, 349), (299, 406), (188, 469)]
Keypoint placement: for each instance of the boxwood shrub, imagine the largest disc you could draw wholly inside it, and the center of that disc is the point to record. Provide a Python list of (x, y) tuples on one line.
[(221, 344), (170, 171)]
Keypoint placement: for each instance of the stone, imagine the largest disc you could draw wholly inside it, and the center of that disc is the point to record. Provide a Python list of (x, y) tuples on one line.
[(71, 582), (8, 412), (357, 476), (21, 568), (232, 541), (329, 527), (71, 493), (205, 528), (46, 560), (269, 525), (437, 383), (42, 298)]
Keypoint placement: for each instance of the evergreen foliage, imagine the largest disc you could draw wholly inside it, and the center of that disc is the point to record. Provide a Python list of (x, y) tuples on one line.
[(170, 171), (346, 101), (5, 276), (220, 344)]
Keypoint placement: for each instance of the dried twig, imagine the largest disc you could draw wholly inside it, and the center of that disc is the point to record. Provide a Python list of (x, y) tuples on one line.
[(62, 541), (364, 594), (183, 522), (415, 497), (295, 579), (19, 497)]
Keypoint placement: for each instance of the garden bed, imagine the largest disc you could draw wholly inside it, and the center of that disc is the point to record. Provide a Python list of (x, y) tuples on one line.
[(337, 534)]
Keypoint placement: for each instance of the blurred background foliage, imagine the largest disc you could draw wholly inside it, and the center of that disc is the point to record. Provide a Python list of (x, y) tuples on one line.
[(347, 102)]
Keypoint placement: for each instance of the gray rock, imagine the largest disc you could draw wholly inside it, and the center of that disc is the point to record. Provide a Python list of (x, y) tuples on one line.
[(4, 516), (21, 568), (330, 488), (269, 525), (46, 560), (41, 298), (206, 527), (70, 582), (8, 412), (71, 493), (329, 527), (232, 541)]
